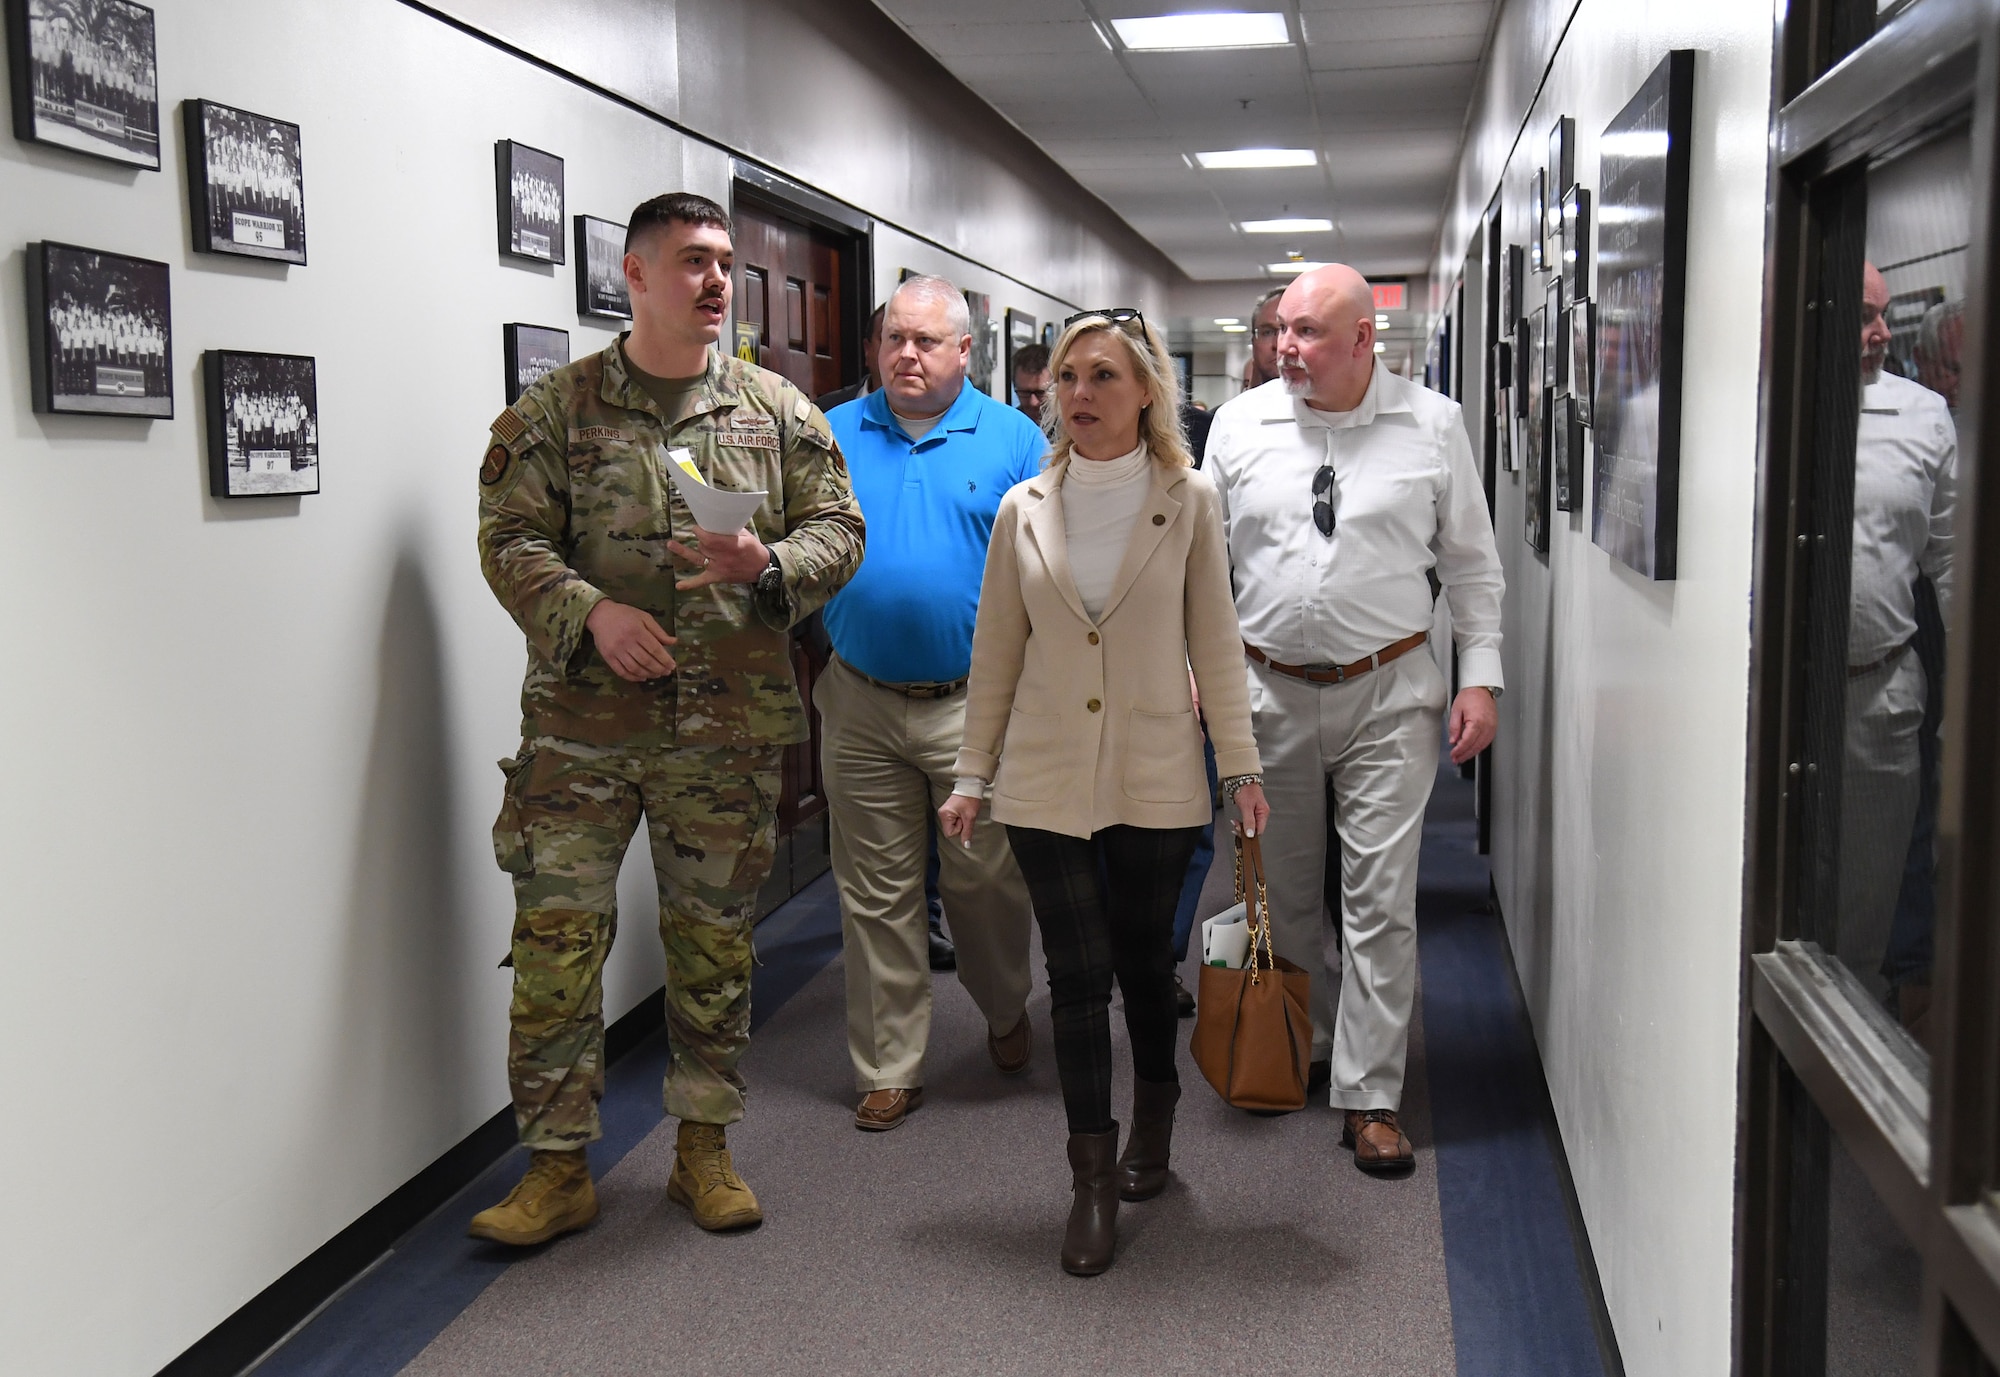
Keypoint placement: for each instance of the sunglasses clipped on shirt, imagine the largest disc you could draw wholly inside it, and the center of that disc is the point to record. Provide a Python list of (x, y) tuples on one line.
[(1324, 495), (1117, 315)]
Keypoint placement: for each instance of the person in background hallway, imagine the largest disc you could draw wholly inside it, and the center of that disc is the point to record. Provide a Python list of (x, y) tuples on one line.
[(1343, 486), (1264, 339), (931, 459), (1195, 421), (871, 368), (1031, 379), (1906, 964), (942, 956), (1107, 582), (649, 694), (1905, 481)]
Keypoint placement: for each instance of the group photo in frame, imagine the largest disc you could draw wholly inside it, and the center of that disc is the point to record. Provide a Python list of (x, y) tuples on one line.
[(246, 183), (1536, 395), (100, 332), (529, 183), (85, 76), (533, 352), (263, 423), (601, 289)]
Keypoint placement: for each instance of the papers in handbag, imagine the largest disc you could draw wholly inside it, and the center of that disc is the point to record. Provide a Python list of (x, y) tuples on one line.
[(715, 509), (1225, 938)]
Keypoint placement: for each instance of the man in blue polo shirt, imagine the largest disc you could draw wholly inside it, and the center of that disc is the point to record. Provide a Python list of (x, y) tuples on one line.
[(930, 458)]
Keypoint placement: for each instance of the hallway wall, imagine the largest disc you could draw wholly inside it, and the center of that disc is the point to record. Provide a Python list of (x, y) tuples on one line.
[(1619, 768), (252, 909)]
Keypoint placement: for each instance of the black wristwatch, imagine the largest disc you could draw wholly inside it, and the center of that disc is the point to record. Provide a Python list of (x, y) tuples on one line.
[(772, 579)]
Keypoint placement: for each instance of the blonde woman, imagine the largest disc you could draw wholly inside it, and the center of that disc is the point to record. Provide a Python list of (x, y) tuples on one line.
[(1107, 581)]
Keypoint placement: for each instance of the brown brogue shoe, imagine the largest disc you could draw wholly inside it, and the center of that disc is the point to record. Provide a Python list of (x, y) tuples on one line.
[(882, 1110), (1378, 1141), (1011, 1052)]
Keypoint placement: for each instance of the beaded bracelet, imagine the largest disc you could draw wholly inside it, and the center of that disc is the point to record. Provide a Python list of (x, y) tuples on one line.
[(1235, 782)]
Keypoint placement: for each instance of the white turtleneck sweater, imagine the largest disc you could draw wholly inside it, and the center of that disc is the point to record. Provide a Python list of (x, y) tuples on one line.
[(1101, 499)]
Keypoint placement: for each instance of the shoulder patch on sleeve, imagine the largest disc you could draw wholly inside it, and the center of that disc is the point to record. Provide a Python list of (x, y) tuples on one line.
[(510, 426), (495, 466)]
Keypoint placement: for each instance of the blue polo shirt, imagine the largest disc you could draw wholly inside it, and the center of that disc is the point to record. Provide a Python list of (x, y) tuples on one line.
[(907, 616)]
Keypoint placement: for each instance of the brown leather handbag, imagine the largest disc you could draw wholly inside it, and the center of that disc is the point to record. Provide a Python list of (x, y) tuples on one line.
[(1252, 1028)]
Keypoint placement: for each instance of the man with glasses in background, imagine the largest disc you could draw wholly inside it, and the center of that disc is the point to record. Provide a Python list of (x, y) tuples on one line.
[(1342, 486), (930, 458)]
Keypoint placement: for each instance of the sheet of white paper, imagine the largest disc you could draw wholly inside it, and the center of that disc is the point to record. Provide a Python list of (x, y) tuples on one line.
[(715, 509), (1225, 938)]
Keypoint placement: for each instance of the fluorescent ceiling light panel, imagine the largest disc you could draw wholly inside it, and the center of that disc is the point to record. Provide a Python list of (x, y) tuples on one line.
[(1290, 269), (1168, 32), (1258, 157), (1229, 320), (1296, 226), (1235, 329)]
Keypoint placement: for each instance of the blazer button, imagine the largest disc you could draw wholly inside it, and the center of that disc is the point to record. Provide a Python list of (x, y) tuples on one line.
[(1093, 638), (1159, 520), (1093, 705)]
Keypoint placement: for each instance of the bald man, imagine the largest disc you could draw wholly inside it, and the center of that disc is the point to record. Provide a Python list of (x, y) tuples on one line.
[(1342, 486)]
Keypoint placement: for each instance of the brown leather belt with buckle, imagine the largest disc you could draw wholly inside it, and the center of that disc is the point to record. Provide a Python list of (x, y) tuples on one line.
[(920, 691), (1340, 674), (1856, 671)]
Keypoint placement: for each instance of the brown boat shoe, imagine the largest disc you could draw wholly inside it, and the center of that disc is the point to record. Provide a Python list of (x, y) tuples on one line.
[(882, 1110), (1378, 1142), (1011, 1052)]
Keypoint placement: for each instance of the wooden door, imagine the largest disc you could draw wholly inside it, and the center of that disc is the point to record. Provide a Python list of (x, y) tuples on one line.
[(788, 284)]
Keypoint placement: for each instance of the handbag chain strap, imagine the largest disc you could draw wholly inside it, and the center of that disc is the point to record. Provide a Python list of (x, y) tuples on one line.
[(1261, 928)]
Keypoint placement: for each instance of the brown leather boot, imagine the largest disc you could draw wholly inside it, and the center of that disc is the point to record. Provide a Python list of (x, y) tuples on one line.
[(1092, 1235), (554, 1198), (1378, 1142), (1142, 1170)]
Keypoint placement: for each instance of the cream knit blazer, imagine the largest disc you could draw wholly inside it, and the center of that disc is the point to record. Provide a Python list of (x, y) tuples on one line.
[(1081, 725)]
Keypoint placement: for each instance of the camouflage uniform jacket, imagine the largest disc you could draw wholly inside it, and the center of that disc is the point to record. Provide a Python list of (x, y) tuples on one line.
[(575, 506)]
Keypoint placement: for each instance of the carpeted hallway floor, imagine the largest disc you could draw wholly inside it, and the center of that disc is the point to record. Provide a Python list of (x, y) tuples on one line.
[(932, 1249)]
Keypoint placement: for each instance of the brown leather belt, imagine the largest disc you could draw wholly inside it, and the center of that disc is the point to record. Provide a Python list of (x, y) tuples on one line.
[(1856, 671), (919, 691), (1340, 674)]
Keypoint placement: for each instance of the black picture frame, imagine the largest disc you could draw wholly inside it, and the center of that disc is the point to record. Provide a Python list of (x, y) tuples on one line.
[(1513, 272), (1561, 459), (118, 119), (529, 185), (1575, 238), (1640, 320), (979, 313), (1583, 357), (532, 352), (263, 423), (601, 290), (1562, 173), (1021, 332), (1579, 453), (1536, 515), (1524, 379), (246, 182), (100, 332), (1502, 385), (1555, 357), (1538, 217)]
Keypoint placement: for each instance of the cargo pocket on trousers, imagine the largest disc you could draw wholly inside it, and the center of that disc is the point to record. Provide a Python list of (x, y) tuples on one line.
[(510, 836)]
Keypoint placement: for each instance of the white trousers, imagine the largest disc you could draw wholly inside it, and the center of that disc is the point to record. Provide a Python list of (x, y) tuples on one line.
[(1372, 743), (887, 760), (1880, 780)]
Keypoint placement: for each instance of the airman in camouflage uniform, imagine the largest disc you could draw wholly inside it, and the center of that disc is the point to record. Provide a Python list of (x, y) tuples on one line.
[(576, 508)]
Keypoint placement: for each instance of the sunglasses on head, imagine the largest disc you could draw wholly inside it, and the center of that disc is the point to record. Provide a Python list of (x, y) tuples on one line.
[(1323, 496), (1117, 315)]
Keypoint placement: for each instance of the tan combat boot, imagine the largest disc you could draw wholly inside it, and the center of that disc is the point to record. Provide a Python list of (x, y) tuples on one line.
[(553, 1199), (706, 1182)]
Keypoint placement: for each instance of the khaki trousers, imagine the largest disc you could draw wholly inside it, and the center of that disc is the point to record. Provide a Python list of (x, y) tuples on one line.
[(1373, 743), (887, 760), (1880, 782)]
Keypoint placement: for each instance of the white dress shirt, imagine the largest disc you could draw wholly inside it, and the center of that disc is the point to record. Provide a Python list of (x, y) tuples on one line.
[(1905, 485), (1407, 499)]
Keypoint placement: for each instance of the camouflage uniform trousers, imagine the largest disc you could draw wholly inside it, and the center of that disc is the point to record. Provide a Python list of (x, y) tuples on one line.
[(569, 813)]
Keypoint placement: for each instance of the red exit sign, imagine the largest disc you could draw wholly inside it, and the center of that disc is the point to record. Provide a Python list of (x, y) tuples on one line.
[(1389, 296)]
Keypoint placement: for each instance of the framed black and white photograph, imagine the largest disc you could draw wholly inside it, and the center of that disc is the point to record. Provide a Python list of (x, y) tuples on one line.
[(1513, 263), (86, 78), (1575, 240), (1641, 319), (1562, 176), (1560, 457), (1582, 357), (101, 332), (601, 290), (530, 185), (1555, 356), (263, 424), (1538, 219), (246, 183), (1524, 354), (533, 352), (1535, 450), (1502, 387), (1021, 333)]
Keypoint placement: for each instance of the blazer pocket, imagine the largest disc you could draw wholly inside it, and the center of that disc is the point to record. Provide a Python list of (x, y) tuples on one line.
[(1163, 757), (1031, 757)]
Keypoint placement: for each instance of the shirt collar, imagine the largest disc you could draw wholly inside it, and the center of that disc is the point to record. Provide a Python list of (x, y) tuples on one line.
[(718, 384), (962, 414), (1385, 395)]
